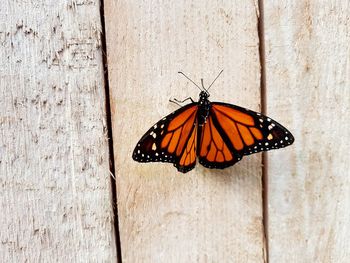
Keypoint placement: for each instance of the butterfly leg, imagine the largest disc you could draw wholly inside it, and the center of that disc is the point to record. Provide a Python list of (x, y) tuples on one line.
[(177, 102)]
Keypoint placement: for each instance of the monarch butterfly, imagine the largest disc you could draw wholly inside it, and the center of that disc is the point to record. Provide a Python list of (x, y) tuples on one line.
[(218, 134)]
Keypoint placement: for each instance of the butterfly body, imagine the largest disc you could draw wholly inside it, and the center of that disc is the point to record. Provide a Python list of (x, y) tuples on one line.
[(203, 108), (217, 134)]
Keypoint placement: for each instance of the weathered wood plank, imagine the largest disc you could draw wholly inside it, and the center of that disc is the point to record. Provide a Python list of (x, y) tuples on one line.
[(308, 79), (205, 215), (55, 188)]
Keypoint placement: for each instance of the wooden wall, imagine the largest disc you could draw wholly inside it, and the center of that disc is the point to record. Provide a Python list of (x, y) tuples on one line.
[(56, 191), (308, 87), (55, 185), (165, 216)]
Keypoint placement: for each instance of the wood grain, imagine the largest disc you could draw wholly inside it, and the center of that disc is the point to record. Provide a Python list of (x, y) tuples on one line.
[(308, 79), (55, 188), (205, 215)]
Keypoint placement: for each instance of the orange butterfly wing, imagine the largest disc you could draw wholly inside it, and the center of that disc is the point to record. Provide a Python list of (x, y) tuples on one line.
[(173, 139), (242, 131), (214, 151)]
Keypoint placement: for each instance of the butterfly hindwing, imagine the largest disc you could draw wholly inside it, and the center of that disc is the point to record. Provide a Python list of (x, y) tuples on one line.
[(214, 150), (248, 131), (172, 139), (188, 157)]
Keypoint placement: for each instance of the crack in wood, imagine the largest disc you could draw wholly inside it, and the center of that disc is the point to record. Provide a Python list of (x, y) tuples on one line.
[(264, 160), (110, 135)]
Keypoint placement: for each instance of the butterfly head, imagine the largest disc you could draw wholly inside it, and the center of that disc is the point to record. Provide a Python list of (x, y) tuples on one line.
[(203, 95)]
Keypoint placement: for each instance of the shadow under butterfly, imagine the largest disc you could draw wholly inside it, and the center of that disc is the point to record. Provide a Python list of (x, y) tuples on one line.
[(218, 134)]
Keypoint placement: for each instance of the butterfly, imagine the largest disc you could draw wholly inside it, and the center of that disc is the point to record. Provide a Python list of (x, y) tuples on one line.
[(218, 134)]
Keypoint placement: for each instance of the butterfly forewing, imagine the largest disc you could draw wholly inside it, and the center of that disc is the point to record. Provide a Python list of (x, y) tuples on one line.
[(248, 132), (172, 139)]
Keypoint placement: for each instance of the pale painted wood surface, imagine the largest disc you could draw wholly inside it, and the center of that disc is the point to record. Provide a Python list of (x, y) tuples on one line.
[(54, 179), (165, 216), (308, 87), (54, 174)]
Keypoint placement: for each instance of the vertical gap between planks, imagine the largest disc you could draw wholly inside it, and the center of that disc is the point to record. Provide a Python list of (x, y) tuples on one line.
[(110, 135), (264, 160)]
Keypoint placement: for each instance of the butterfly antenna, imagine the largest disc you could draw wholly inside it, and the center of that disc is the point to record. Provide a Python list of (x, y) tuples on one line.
[(214, 80), (203, 85), (190, 80)]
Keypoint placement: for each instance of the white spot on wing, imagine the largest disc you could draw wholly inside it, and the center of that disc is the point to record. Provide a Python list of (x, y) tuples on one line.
[(154, 147)]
